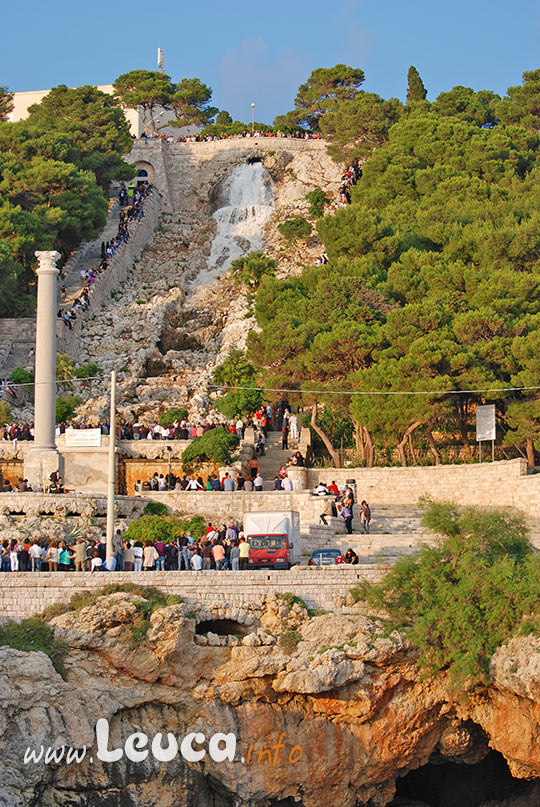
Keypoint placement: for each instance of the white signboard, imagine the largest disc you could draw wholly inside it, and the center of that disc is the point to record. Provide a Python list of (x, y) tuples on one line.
[(485, 423), (83, 438)]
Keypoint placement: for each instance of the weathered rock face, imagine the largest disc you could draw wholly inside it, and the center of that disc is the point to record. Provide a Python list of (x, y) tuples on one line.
[(164, 333), (325, 710)]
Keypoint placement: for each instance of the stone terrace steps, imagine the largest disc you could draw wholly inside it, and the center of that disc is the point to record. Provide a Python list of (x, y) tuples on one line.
[(274, 458), (92, 257)]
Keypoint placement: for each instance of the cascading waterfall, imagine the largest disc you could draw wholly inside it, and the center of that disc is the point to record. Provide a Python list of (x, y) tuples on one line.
[(248, 203)]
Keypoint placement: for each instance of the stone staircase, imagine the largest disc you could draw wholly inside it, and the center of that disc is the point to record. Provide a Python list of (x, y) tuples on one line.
[(274, 457), (395, 531)]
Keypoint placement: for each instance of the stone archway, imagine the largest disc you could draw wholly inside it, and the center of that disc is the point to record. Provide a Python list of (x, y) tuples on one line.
[(145, 171)]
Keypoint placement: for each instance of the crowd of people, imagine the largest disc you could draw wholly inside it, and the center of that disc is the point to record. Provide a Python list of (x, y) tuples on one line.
[(341, 505), (219, 548), (247, 133), (350, 177), (131, 201)]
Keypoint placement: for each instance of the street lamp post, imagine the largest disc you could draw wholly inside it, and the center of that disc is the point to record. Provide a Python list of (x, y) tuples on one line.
[(252, 119)]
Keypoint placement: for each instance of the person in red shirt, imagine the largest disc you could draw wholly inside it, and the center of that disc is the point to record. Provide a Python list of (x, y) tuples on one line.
[(333, 488)]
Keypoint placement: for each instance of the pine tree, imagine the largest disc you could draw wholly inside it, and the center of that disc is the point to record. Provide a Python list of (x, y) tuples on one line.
[(415, 88)]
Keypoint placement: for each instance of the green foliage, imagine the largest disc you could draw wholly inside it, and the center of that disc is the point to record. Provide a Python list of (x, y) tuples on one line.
[(65, 369), (5, 413), (323, 91), (292, 599), (6, 103), (520, 104), (415, 86), (144, 89), (460, 600), (156, 509), (249, 269), (22, 376), (317, 202), (295, 228), (289, 639), (152, 527), (240, 402), (88, 370), (235, 371), (33, 635), (464, 103), (223, 118), (356, 128), (66, 406), (177, 413), (190, 103), (215, 445), (90, 124)]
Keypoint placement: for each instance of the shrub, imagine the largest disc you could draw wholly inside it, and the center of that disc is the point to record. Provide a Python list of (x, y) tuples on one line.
[(295, 228), (289, 639), (5, 413), (176, 413), (460, 600), (237, 403), (235, 370), (317, 202), (22, 376), (291, 599), (155, 509), (66, 406), (251, 268), (88, 370), (215, 445), (154, 527), (33, 634)]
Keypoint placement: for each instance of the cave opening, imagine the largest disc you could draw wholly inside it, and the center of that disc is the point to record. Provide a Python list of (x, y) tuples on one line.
[(222, 627), (253, 160), (451, 784)]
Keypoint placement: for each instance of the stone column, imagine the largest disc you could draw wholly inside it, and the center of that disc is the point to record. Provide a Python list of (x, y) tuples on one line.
[(43, 458)]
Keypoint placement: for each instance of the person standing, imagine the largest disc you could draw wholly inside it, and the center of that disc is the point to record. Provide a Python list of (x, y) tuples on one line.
[(137, 556), (285, 435), (235, 557), (118, 549), (244, 553), (365, 515), (35, 557), (80, 556), (150, 556), (258, 483)]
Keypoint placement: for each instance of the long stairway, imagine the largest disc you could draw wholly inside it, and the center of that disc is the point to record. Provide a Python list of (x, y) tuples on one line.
[(274, 457)]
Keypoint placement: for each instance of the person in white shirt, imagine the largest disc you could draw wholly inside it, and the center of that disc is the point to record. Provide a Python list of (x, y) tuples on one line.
[(293, 427), (196, 561), (97, 563), (286, 484), (239, 425), (258, 483), (320, 490), (193, 484)]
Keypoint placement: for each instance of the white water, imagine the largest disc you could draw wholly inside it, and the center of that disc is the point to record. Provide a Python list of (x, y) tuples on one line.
[(248, 203)]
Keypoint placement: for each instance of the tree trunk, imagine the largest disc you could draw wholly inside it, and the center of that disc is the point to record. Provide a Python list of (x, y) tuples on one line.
[(403, 442), (411, 449), (462, 412), (370, 449), (529, 445), (432, 444), (359, 440), (328, 445)]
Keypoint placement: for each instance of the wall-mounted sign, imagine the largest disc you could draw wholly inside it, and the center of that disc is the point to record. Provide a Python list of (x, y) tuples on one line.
[(83, 438)]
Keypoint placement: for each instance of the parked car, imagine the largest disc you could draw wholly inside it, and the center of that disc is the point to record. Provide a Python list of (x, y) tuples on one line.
[(326, 557)]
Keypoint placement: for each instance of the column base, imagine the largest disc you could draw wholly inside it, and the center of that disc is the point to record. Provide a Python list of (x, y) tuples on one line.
[(39, 463)]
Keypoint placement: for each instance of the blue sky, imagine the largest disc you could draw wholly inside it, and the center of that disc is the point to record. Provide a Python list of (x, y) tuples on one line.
[(261, 51)]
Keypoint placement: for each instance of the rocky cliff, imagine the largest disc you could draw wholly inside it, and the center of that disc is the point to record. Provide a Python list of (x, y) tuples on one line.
[(325, 710)]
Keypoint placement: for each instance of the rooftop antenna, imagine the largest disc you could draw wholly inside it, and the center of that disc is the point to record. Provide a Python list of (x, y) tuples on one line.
[(160, 62)]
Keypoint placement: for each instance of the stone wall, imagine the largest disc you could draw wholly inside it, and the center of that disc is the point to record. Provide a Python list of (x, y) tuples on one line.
[(23, 594), (489, 484), (119, 265)]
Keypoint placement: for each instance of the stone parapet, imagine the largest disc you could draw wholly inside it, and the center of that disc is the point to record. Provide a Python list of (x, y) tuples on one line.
[(23, 594)]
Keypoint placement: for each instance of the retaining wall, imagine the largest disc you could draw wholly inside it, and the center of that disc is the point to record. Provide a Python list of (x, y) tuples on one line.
[(23, 594)]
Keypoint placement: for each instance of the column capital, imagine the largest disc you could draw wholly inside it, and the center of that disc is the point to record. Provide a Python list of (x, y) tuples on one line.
[(47, 261)]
